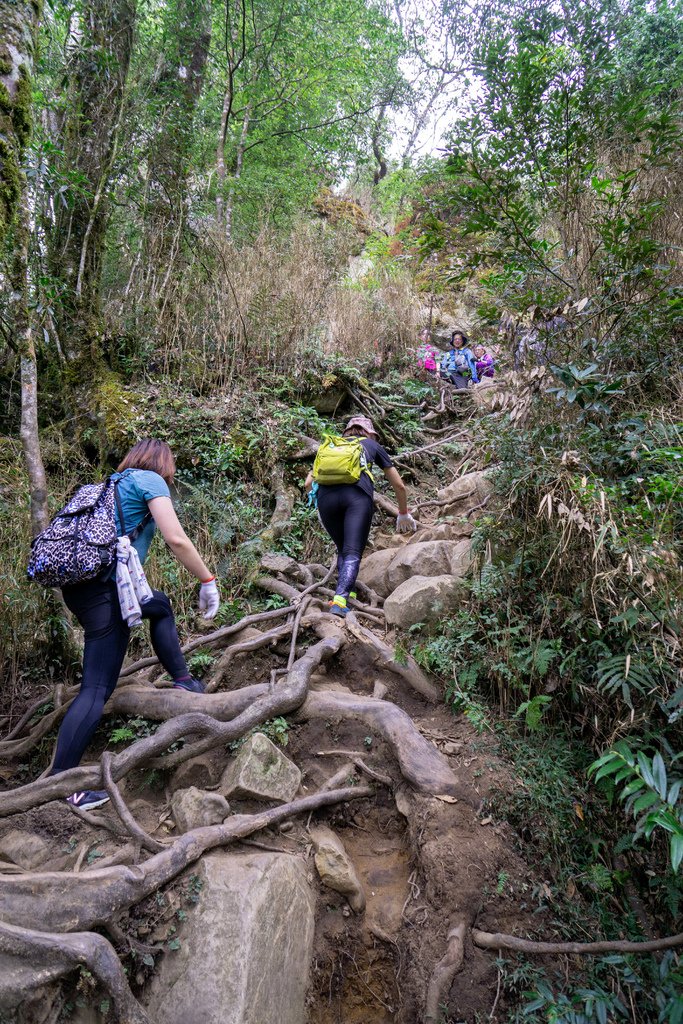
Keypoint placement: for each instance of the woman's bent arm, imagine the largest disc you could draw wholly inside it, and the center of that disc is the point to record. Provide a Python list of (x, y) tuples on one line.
[(394, 478), (180, 544)]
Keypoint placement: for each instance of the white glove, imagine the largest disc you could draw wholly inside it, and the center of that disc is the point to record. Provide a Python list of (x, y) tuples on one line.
[(405, 523), (209, 599)]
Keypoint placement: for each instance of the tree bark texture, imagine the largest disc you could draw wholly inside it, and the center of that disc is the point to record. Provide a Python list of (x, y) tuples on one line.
[(90, 137), (23, 336), (174, 106), (18, 25)]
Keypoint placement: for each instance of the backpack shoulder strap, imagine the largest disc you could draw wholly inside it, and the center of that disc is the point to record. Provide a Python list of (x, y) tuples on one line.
[(136, 531)]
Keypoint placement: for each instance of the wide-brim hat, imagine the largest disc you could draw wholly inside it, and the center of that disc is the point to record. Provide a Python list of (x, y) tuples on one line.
[(364, 423)]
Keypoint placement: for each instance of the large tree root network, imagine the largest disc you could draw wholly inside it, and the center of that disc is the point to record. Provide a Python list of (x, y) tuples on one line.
[(49, 919)]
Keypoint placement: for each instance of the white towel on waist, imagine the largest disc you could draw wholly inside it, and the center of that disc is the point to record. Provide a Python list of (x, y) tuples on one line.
[(131, 582)]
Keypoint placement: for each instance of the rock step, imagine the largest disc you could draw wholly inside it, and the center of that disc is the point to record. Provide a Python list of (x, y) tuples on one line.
[(245, 951)]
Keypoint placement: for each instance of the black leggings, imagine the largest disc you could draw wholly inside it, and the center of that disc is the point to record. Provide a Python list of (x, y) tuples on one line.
[(96, 606), (455, 378), (346, 513)]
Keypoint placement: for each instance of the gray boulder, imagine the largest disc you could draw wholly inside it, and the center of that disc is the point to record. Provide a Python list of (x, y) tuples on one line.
[(430, 558), (335, 867), (194, 808), (261, 772), (423, 599), (373, 569), (386, 570), (465, 492), (245, 950)]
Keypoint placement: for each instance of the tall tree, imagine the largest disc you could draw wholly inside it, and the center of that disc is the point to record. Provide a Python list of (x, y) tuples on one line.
[(19, 26), (177, 90), (103, 39)]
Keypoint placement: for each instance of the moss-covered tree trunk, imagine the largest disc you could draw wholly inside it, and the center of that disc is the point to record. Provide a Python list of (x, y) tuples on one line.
[(18, 27), (174, 104), (91, 133), (18, 24)]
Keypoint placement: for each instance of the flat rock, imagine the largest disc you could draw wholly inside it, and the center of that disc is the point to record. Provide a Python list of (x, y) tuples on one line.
[(245, 949), (443, 531), (261, 772), (25, 849), (335, 867), (423, 599), (194, 808)]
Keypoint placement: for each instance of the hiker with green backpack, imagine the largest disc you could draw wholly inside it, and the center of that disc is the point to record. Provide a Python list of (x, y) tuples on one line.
[(341, 483)]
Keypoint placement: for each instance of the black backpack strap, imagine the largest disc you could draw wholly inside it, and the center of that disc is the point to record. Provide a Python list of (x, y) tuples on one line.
[(134, 533)]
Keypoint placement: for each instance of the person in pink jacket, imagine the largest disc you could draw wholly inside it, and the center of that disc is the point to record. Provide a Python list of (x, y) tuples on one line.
[(426, 355)]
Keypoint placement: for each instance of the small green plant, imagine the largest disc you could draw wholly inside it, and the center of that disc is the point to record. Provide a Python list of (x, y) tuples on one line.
[(533, 710), (134, 729), (587, 388), (275, 601), (650, 795), (200, 663), (400, 654), (194, 889), (503, 877)]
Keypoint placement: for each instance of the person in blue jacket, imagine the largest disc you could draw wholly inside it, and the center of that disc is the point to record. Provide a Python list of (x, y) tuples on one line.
[(459, 361)]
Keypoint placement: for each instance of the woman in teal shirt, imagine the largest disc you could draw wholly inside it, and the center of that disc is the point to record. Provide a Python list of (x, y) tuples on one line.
[(142, 483)]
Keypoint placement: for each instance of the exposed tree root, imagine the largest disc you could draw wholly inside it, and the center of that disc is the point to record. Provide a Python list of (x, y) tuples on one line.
[(287, 696), (420, 763), (252, 643), (357, 760), (161, 705), (74, 902), (211, 639), (285, 499), (497, 940), (122, 810), (34, 958), (446, 969), (384, 656)]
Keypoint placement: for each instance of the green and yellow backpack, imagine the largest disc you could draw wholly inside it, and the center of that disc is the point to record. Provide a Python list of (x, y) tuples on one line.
[(340, 460)]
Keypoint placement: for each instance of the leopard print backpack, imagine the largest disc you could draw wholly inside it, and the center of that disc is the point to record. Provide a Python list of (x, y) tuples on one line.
[(80, 542)]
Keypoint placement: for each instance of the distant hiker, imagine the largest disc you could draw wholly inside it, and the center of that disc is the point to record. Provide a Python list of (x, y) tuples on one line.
[(458, 364), (426, 353), (484, 362), (144, 501), (342, 483)]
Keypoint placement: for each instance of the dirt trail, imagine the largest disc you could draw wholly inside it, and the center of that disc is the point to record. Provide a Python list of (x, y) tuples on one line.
[(427, 853)]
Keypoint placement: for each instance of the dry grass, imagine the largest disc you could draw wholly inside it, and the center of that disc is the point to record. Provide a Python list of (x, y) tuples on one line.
[(276, 304)]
